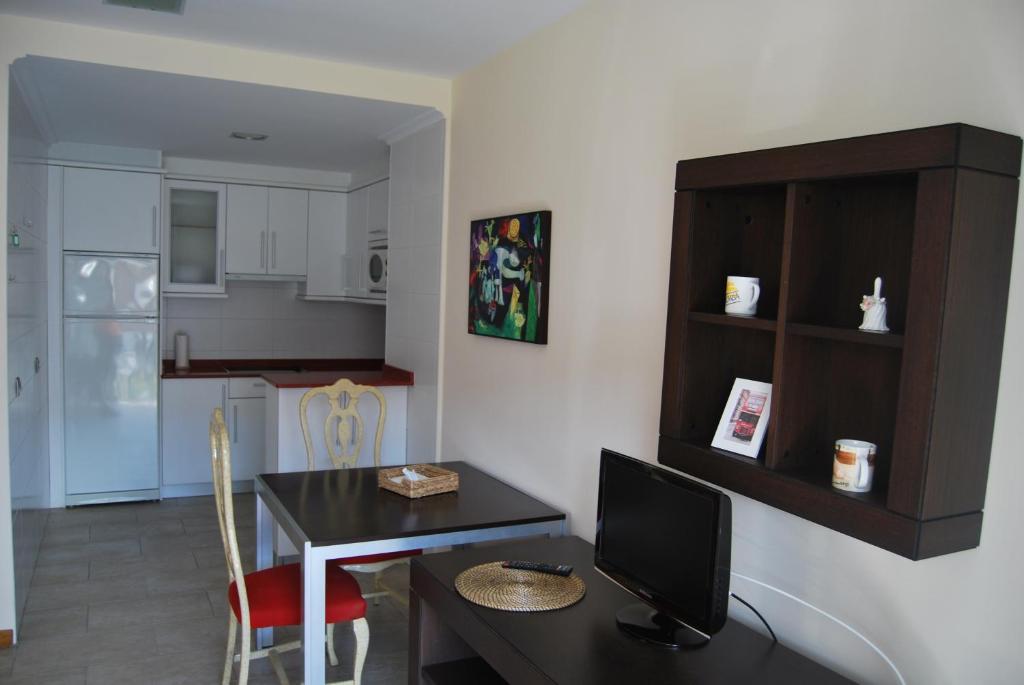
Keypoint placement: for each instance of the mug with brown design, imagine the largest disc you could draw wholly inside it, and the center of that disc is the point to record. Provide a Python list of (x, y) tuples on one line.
[(853, 465)]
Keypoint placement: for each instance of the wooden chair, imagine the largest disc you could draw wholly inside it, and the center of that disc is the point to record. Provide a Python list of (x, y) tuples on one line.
[(344, 433), (273, 597)]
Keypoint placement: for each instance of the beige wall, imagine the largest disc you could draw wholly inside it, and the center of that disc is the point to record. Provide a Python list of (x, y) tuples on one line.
[(587, 119), (20, 37)]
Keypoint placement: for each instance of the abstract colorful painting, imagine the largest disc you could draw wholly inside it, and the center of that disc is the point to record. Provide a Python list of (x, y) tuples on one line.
[(508, 276)]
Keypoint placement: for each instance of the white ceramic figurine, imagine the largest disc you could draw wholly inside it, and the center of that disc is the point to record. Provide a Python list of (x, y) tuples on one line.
[(873, 307)]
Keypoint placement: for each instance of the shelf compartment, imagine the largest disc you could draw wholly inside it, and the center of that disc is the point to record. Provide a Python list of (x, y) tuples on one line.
[(845, 233), (736, 321), (715, 357), (835, 389), (861, 516), (850, 335), (737, 232)]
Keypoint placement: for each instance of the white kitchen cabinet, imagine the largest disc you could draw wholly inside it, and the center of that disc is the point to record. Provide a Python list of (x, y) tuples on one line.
[(355, 251), (328, 245), (186, 405), (247, 240), (288, 221), (377, 210), (111, 211), (194, 242), (246, 431)]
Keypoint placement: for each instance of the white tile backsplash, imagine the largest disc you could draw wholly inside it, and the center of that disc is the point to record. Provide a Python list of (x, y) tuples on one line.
[(264, 320)]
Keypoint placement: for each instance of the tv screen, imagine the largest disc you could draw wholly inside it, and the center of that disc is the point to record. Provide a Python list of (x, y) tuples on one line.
[(666, 539)]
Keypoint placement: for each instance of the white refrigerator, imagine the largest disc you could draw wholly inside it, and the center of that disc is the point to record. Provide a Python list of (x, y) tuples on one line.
[(111, 378)]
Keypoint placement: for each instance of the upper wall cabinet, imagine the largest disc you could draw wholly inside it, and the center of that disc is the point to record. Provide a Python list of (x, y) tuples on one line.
[(193, 237), (377, 210), (288, 220), (932, 212), (247, 230), (111, 211), (267, 231), (327, 245)]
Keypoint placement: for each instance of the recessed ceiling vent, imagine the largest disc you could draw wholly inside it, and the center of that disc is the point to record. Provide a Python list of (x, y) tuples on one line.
[(168, 6)]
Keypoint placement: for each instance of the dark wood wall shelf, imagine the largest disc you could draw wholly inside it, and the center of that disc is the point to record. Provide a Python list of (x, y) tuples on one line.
[(932, 211)]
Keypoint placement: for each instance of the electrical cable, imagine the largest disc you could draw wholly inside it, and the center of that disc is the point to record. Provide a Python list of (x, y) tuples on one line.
[(758, 613), (824, 613)]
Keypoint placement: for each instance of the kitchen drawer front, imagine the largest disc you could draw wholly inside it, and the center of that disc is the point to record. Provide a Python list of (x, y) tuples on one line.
[(239, 388)]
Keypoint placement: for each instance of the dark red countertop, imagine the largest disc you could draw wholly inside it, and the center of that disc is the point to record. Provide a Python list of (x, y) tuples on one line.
[(294, 373)]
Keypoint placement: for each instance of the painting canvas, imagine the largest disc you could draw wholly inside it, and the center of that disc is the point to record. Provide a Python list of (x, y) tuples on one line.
[(508, 276)]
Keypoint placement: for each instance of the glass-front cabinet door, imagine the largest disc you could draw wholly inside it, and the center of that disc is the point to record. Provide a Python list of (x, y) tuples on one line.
[(193, 249)]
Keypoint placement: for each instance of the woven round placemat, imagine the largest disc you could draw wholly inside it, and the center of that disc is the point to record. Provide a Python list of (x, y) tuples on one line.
[(508, 589)]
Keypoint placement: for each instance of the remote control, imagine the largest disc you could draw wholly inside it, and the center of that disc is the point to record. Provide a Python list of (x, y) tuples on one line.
[(559, 570)]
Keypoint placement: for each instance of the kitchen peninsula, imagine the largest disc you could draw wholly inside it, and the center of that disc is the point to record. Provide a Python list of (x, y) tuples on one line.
[(260, 399)]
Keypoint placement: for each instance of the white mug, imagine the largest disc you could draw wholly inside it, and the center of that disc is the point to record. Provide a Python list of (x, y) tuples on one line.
[(741, 294), (853, 465)]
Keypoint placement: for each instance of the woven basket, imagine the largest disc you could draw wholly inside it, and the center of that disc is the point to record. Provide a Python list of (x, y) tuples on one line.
[(508, 589), (438, 480)]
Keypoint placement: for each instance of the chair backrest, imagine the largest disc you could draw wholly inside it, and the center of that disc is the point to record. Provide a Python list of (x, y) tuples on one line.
[(220, 461), (343, 423)]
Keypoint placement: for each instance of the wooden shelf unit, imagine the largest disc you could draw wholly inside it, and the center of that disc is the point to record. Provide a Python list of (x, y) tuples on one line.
[(931, 211)]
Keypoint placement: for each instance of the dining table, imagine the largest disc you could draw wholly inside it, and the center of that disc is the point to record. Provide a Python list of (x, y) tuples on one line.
[(344, 513)]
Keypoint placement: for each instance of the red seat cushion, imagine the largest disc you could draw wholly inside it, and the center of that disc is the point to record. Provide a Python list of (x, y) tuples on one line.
[(275, 596), (375, 558)]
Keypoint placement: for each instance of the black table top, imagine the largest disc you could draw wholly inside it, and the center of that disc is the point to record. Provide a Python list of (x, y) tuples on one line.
[(339, 506), (581, 643)]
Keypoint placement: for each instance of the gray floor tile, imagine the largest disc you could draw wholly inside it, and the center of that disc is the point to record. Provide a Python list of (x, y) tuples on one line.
[(156, 670), (60, 573), (75, 676), (150, 610), (65, 535), (143, 567), (71, 553), (101, 532), (58, 654), (109, 513), (52, 623), (65, 595), (170, 581)]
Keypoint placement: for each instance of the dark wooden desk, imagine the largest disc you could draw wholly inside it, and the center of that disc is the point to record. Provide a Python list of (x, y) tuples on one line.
[(341, 513), (450, 638)]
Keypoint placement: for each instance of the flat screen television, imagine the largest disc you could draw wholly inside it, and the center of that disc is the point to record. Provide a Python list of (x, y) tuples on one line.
[(667, 540)]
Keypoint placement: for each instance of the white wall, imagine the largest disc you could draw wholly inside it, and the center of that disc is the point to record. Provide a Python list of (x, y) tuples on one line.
[(587, 119), (263, 320), (26, 342), (414, 277), (21, 36)]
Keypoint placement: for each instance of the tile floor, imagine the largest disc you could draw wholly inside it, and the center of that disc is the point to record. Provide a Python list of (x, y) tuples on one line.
[(136, 593)]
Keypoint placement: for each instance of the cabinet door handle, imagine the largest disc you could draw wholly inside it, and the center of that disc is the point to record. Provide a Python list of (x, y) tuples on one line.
[(154, 225), (17, 386), (273, 249), (234, 421), (223, 266), (224, 398), (37, 364), (263, 249)]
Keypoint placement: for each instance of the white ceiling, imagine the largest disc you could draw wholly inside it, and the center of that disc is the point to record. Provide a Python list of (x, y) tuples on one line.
[(189, 116), (440, 37)]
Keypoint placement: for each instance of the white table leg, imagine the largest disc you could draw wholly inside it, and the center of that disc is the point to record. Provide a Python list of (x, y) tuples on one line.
[(313, 618), (264, 559)]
